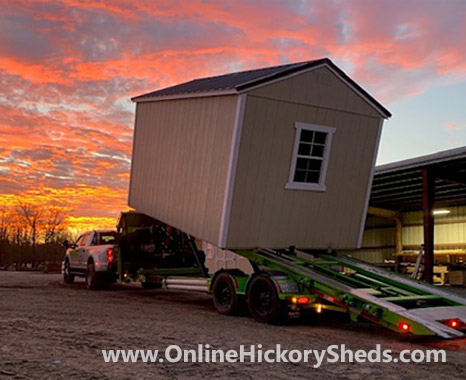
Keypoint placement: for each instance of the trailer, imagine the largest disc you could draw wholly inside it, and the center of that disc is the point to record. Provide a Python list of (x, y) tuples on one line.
[(287, 281)]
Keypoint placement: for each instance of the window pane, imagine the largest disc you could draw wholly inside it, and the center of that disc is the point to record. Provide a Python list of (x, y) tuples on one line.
[(314, 165), (306, 136), (299, 176), (312, 177), (301, 163), (304, 149), (320, 137), (318, 150)]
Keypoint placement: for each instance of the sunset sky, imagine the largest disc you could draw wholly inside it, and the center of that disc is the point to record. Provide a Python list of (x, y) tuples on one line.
[(68, 69)]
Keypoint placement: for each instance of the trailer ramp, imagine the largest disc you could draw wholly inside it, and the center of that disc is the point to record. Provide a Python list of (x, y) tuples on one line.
[(366, 291)]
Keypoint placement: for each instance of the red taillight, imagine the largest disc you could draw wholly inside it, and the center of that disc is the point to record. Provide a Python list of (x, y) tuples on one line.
[(303, 300), (300, 300), (110, 255), (405, 327), (453, 323)]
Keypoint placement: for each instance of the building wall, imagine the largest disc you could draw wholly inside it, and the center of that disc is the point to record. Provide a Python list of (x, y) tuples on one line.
[(263, 212), (379, 235), (180, 162)]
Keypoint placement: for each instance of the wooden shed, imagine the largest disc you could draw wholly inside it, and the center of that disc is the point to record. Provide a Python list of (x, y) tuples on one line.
[(272, 157)]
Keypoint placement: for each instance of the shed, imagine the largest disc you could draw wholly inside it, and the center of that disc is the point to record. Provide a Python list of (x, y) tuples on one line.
[(272, 157)]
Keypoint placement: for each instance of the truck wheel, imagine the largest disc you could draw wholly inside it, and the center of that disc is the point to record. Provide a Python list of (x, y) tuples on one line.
[(225, 297), (263, 301), (68, 278), (92, 278)]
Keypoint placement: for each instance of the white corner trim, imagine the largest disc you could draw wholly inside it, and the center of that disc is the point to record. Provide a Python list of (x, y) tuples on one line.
[(132, 153), (231, 174), (291, 184), (369, 185)]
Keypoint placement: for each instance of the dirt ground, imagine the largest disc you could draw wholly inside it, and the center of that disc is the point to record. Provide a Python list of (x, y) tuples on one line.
[(49, 330)]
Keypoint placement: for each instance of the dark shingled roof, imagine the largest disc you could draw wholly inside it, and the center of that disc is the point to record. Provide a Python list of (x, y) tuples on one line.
[(245, 79)]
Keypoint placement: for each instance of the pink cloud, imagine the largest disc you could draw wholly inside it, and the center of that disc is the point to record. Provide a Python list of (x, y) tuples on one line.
[(453, 126)]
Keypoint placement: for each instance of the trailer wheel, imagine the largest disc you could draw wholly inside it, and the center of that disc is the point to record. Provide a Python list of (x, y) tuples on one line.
[(263, 301), (225, 297)]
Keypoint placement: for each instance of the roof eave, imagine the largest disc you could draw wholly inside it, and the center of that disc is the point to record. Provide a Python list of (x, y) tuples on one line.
[(422, 161), (143, 99)]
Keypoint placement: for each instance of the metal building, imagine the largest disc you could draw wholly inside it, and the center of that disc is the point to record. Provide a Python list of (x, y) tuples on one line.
[(263, 158), (414, 202)]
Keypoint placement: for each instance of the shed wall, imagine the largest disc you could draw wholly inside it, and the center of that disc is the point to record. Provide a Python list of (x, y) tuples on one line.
[(263, 212), (180, 162)]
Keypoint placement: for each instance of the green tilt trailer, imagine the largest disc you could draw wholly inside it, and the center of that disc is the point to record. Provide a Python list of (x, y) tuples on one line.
[(285, 282)]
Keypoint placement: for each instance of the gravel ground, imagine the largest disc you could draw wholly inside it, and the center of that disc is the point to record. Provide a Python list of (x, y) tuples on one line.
[(50, 330)]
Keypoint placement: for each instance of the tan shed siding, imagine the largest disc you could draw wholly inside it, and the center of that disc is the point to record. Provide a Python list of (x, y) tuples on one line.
[(319, 87), (180, 162), (264, 213)]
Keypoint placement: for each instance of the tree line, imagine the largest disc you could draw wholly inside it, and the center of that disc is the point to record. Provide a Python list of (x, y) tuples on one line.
[(29, 224)]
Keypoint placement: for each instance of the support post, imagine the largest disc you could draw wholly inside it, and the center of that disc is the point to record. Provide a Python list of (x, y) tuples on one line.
[(428, 197), (398, 236)]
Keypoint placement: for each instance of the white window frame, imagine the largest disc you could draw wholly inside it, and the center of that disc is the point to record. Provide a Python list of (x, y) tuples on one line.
[(292, 185)]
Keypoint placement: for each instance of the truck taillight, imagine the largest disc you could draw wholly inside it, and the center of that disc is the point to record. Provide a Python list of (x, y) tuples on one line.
[(110, 255)]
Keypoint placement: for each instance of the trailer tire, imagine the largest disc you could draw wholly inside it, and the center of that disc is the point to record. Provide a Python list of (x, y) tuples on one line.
[(263, 301), (224, 292)]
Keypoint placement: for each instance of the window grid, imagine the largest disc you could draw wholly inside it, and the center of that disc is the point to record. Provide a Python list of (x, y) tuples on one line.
[(310, 156)]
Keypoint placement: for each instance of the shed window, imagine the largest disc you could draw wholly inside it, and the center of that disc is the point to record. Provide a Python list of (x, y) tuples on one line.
[(310, 157)]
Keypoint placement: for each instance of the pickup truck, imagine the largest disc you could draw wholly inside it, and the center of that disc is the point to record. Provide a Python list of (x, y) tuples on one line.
[(94, 257)]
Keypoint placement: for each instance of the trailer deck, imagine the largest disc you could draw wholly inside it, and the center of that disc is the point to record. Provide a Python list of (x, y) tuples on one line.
[(363, 290), (286, 281)]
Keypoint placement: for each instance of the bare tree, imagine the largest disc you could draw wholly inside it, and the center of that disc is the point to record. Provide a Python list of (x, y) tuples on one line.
[(18, 229), (5, 223), (54, 223), (32, 215)]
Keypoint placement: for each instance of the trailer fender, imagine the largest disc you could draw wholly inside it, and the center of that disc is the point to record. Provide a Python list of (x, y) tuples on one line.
[(283, 283), (239, 278)]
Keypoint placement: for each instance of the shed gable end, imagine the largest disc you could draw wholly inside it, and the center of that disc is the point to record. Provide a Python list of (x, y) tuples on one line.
[(320, 87)]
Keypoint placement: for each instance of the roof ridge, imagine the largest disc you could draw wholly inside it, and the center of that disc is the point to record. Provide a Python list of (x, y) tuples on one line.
[(253, 70), (278, 68)]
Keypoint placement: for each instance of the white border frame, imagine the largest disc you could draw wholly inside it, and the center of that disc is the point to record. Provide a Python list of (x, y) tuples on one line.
[(291, 185)]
